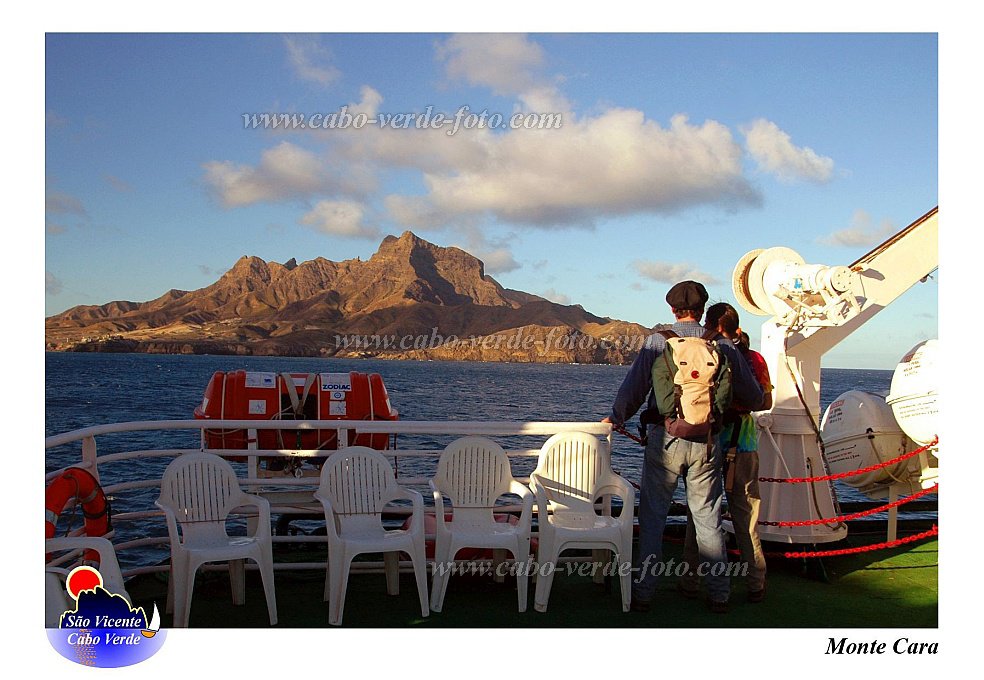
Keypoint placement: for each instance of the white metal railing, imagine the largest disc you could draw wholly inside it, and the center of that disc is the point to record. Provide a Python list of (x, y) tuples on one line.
[(288, 495)]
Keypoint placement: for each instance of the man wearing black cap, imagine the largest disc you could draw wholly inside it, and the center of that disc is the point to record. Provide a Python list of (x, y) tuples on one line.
[(667, 458)]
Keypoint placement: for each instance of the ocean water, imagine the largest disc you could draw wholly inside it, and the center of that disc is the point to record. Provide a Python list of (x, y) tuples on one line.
[(87, 389)]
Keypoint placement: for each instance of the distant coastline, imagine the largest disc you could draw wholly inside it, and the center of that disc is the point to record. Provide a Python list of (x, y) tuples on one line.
[(546, 347)]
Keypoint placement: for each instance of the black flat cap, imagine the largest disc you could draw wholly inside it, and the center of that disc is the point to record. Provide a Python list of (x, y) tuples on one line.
[(687, 295)]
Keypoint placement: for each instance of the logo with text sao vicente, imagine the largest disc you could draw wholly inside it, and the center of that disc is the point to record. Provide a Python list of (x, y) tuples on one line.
[(103, 630)]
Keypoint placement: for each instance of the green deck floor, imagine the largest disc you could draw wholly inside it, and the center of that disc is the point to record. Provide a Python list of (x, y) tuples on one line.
[(887, 588)]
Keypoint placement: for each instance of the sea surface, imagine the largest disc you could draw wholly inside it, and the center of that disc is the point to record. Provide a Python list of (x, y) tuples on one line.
[(84, 389)]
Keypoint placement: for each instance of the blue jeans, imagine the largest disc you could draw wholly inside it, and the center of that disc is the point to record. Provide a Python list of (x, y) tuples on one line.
[(667, 459)]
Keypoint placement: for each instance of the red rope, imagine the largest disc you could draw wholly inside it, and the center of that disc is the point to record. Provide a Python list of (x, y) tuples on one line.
[(841, 475), (865, 548), (855, 515), (622, 430)]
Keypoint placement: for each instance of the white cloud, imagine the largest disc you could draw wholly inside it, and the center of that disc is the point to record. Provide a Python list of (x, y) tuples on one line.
[(510, 64), (288, 171), (311, 60), (617, 163), (426, 149), (53, 228), (775, 152), (495, 253), (499, 261), (861, 232), (284, 172), (52, 284), (63, 204), (611, 164), (503, 62), (668, 272), (544, 99), (369, 104), (340, 218), (554, 296)]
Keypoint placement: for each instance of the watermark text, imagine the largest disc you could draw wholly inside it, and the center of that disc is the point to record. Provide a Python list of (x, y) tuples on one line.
[(464, 118), (521, 340)]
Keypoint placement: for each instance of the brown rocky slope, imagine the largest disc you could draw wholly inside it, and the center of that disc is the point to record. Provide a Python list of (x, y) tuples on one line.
[(411, 299)]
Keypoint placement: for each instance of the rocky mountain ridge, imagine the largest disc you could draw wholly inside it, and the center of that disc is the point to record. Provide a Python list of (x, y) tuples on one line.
[(411, 299)]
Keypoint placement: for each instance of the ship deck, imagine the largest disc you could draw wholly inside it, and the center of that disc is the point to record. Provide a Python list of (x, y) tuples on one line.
[(889, 588)]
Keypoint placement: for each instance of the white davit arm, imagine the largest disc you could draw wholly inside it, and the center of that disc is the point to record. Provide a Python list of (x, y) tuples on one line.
[(812, 309), (805, 298)]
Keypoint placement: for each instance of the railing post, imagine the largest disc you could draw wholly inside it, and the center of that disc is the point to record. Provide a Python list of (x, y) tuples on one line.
[(253, 461), (598, 556), (253, 470), (893, 513), (89, 455)]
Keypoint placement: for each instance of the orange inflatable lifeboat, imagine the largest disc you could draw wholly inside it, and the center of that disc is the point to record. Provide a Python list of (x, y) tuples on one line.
[(78, 484), (253, 395)]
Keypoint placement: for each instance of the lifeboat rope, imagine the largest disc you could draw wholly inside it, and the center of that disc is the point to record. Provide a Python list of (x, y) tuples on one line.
[(861, 471), (855, 515), (865, 548), (621, 430)]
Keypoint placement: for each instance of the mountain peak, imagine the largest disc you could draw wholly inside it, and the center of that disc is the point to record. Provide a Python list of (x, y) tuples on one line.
[(405, 242)]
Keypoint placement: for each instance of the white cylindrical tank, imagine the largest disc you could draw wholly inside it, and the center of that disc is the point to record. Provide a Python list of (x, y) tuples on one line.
[(913, 396), (858, 431)]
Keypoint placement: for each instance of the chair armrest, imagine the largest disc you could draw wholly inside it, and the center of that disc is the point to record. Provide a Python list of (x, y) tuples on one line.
[(417, 514), (330, 529), (623, 491), (438, 505), (523, 491), (109, 566), (407, 495), (263, 509), (617, 485), (172, 522), (520, 489), (540, 493)]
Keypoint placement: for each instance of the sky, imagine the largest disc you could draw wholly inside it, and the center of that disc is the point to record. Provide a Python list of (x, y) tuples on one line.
[(675, 155)]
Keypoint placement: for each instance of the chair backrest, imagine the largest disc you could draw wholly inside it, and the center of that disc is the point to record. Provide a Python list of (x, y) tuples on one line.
[(357, 481), (473, 472), (200, 488), (570, 467), (56, 597)]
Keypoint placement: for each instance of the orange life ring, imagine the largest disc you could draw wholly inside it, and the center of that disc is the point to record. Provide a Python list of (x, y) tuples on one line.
[(79, 484)]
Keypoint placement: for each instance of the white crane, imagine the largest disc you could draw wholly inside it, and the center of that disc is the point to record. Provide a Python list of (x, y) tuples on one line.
[(812, 308)]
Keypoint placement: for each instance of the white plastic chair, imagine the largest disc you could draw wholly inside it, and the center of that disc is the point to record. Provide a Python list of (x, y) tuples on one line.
[(198, 493), (356, 484), (474, 473), (571, 473), (56, 600)]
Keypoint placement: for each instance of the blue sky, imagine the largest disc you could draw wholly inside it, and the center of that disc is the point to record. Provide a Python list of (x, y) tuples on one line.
[(678, 153)]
